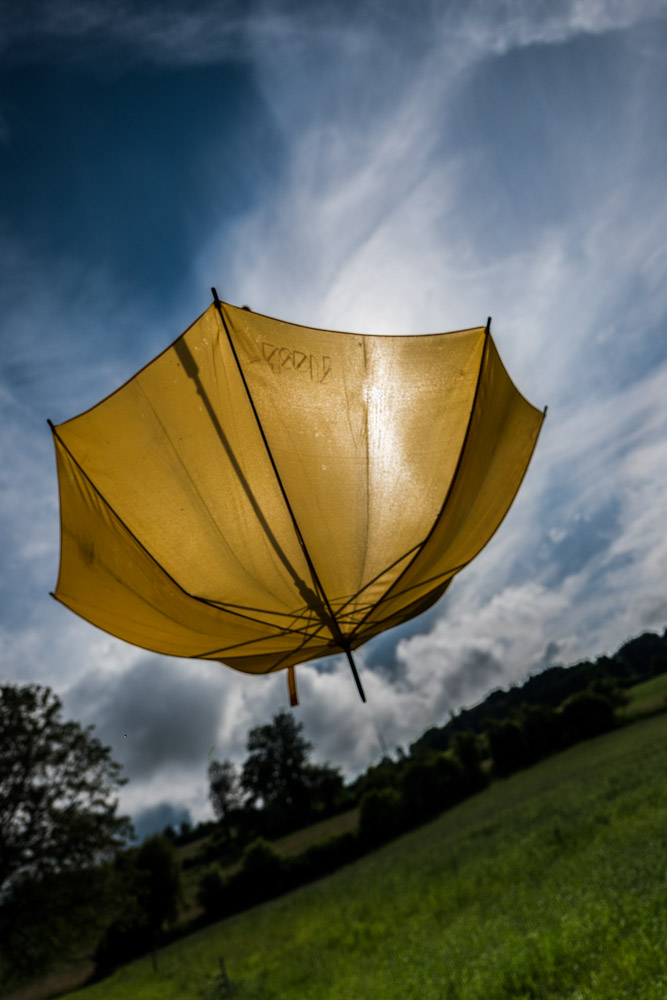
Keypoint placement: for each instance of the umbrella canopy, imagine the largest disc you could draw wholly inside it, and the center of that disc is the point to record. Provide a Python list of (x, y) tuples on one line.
[(264, 493)]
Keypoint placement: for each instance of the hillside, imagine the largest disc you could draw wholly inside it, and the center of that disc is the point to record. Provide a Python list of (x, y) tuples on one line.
[(547, 884)]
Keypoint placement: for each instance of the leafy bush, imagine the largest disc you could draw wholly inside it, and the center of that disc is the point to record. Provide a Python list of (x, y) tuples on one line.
[(541, 731), (150, 892), (262, 875), (450, 781), (380, 816), (323, 858), (211, 892), (466, 748), (44, 919), (585, 715), (507, 746), (127, 938)]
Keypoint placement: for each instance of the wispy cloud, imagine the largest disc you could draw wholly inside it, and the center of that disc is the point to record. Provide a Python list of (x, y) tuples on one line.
[(431, 165), (177, 33)]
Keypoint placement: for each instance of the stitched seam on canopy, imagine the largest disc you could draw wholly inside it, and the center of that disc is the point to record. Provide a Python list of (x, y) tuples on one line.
[(349, 333), (353, 597), (332, 624), (374, 627), (459, 463), (140, 544), (275, 666), (186, 472), (305, 637)]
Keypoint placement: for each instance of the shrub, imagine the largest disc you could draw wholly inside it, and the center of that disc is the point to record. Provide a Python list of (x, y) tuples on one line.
[(262, 875), (541, 730), (450, 781), (585, 715), (466, 748), (323, 858), (380, 816), (420, 788), (507, 746), (128, 937), (211, 892)]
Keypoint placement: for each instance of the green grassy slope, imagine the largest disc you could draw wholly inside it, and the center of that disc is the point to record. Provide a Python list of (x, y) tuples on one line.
[(651, 696), (286, 847), (550, 884)]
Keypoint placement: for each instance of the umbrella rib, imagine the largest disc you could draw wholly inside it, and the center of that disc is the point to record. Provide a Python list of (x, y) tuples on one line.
[(377, 576), (277, 665), (249, 642), (326, 613), (140, 544), (373, 624), (260, 611), (451, 573), (265, 638), (487, 333)]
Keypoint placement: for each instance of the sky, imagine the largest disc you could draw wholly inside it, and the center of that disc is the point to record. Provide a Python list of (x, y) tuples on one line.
[(374, 166)]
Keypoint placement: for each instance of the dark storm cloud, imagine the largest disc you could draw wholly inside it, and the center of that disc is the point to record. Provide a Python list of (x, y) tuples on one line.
[(156, 715), (476, 671), (550, 656), (155, 818)]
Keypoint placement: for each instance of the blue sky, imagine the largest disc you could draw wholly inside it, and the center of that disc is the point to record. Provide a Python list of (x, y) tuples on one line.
[(375, 167)]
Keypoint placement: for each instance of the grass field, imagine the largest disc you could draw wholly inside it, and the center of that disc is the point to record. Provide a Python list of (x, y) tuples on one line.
[(286, 847), (651, 696), (549, 884)]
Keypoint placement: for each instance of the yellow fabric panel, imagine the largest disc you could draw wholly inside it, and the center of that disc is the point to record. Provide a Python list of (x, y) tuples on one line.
[(500, 441), (177, 455), (107, 578), (366, 432), (254, 461)]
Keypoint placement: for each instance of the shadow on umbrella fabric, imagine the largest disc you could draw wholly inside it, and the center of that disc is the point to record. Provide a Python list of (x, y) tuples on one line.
[(265, 494)]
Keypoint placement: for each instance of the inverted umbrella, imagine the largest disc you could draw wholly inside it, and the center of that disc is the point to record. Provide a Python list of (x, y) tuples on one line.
[(263, 493)]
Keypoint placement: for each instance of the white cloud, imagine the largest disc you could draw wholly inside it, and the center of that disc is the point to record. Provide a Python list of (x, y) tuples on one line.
[(180, 34), (372, 223)]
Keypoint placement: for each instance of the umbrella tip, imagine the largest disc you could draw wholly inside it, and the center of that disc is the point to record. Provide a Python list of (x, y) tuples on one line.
[(357, 680)]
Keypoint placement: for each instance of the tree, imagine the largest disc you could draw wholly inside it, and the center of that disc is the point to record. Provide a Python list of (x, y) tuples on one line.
[(275, 772), (418, 785), (159, 886), (57, 789), (58, 819), (325, 788), (160, 881), (211, 892), (278, 776), (466, 748), (506, 745), (150, 877), (381, 816), (541, 730), (224, 792), (585, 715)]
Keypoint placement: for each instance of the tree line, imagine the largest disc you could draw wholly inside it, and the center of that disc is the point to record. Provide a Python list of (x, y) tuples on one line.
[(399, 794), (68, 878), (507, 731)]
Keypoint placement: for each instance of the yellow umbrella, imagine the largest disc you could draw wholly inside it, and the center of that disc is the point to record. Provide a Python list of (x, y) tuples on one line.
[(264, 493)]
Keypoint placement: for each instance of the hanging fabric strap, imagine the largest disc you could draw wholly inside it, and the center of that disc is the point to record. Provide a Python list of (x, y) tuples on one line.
[(291, 687)]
